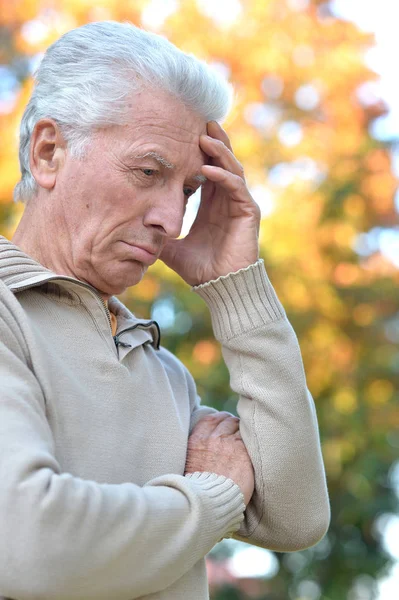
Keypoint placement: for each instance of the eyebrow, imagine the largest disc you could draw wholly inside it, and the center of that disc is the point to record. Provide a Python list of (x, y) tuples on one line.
[(160, 159), (201, 179)]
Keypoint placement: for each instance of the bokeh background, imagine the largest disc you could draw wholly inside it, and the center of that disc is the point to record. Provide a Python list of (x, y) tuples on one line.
[(311, 125)]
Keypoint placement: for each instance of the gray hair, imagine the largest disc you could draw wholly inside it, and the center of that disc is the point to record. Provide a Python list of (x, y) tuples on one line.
[(86, 78)]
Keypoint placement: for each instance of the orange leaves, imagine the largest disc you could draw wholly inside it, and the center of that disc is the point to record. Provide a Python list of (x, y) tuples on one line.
[(346, 274), (380, 188), (13, 12), (206, 352), (378, 160), (202, 358), (147, 289)]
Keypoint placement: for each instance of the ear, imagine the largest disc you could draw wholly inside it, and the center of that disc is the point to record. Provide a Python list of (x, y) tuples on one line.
[(47, 152)]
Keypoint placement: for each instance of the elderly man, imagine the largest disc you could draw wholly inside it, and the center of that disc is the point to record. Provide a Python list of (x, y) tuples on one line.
[(115, 481)]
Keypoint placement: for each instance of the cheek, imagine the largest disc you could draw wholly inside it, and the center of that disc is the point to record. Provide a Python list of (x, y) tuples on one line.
[(102, 207), (104, 200)]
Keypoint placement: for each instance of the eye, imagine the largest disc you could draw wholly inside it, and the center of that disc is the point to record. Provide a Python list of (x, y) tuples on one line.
[(188, 191), (148, 172)]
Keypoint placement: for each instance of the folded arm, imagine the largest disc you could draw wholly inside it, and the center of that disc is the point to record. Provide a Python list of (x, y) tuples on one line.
[(289, 509)]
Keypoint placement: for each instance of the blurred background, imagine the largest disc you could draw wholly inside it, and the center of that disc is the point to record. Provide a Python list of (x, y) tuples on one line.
[(316, 124)]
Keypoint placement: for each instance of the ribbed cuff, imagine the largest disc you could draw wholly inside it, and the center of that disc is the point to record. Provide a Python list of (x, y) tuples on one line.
[(226, 501), (241, 301)]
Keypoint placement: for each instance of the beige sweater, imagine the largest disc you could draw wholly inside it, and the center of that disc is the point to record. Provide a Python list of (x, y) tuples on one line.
[(93, 439)]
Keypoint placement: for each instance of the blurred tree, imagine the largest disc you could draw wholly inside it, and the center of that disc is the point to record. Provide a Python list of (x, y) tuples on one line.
[(300, 125)]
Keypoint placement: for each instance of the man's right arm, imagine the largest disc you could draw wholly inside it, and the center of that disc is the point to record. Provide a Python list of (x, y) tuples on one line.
[(66, 538)]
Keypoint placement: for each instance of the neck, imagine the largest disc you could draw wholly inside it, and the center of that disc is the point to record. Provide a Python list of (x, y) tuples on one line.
[(42, 238), (29, 235)]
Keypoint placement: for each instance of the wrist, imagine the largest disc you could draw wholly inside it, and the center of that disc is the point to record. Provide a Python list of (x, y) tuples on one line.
[(241, 302), (225, 273)]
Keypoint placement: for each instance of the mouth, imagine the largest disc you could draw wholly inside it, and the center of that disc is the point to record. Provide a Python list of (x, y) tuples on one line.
[(144, 254)]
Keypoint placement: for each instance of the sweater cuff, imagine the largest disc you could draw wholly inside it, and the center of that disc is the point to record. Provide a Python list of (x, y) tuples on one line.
[(226, 500), (241, 301)]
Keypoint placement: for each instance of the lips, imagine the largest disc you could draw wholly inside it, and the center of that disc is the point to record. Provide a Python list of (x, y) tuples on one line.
[(144, 254), (146, 249)]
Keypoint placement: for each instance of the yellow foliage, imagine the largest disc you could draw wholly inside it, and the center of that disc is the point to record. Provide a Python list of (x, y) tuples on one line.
[(379, 391), (296, 293), (8, 229), (363, 314), (323, 335), (319, 372), (328, 303), (344, 234), (345, 401), (354, 206), (9, 175), (345, 169)]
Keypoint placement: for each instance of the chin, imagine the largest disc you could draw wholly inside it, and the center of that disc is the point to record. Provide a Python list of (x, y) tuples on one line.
[(117, 285)]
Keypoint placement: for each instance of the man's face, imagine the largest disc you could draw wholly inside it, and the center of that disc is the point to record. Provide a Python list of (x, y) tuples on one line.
[(119, 205)]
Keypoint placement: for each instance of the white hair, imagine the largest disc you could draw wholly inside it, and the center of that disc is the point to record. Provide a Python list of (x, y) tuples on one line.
[(87, 77)]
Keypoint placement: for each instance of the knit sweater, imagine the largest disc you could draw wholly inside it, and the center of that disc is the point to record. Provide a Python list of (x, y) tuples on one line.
[(94, 503)]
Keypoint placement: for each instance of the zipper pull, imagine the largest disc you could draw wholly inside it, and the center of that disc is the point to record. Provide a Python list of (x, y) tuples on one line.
[(119, 343)]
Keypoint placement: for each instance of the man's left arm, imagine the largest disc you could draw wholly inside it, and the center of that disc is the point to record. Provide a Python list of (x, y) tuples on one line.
[(289, 509)]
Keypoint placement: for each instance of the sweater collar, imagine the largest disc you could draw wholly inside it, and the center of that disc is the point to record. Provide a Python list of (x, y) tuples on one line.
[(20, 272), (17, 269)]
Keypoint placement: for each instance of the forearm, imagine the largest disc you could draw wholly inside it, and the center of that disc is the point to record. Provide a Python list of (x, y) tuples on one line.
[(65, 538), (289, 509)]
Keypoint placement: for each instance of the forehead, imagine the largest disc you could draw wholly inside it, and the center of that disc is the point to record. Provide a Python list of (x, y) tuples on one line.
[(162, 125)]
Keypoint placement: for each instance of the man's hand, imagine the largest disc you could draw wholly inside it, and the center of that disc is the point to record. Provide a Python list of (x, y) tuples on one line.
[(215, 446), (224, 235)]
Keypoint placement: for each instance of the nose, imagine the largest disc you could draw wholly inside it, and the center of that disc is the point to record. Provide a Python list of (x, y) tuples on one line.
[(166, 212)]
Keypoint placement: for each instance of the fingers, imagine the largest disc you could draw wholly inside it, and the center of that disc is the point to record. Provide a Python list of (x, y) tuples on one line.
[(207, 425), (218, 147), (233, 184), (221, 155), (228, 426), (170, 252), (216, 131)]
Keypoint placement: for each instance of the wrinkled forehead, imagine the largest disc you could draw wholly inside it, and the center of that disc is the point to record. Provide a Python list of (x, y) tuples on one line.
[(165, 130)]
